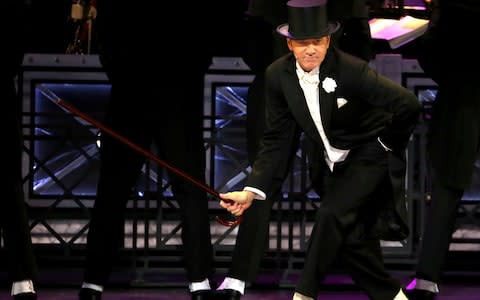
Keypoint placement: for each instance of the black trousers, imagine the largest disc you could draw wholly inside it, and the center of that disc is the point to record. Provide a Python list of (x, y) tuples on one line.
[(453, 147), (349, 204), (250, 248), (252, 237), (439, 228), (13, 212), (142, 112), (350, 199)]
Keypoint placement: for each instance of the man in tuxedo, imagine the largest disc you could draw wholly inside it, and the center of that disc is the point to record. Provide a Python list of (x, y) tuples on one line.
[(454, 133), (263, 46), (359, 123), (13, 213)]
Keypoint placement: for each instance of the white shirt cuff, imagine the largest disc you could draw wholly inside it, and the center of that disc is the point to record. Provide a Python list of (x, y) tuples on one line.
[(259, 195)]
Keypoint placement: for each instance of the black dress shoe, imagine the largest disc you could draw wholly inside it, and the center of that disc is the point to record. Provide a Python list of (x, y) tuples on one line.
[(420, 295), (227, 294), (202, 295), (25, 296), (89, 294)]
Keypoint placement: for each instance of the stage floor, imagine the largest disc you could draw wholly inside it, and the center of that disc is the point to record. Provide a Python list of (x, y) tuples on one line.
[(450, 291), (337, 286)]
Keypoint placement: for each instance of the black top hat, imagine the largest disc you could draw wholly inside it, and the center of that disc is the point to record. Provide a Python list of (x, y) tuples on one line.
[(307, 19)]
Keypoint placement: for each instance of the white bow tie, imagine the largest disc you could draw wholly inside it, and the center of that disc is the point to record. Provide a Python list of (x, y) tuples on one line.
[(310, 78)]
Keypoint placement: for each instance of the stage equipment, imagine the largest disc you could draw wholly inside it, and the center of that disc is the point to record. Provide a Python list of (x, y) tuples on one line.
[(72, 109), (82, 16)]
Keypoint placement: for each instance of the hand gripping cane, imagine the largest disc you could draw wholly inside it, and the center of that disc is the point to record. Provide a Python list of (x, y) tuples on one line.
[(70, 108)]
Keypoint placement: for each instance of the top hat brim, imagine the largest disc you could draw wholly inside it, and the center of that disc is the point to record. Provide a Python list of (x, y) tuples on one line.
[(331, 28)]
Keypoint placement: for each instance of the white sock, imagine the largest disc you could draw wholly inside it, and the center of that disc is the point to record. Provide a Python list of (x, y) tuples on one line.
[(422, 284), (199, 286), (400, 296), (233, 284), (95, 287), (298, 296), (24, 286)]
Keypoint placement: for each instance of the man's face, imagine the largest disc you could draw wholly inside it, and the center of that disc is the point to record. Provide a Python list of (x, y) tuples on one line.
[(309, 53)]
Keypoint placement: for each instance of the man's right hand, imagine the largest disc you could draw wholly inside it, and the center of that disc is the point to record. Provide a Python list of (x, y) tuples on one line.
[(238, 202)]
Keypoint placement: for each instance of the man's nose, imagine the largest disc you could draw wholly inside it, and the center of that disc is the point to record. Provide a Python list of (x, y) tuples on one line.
[(311, 48)]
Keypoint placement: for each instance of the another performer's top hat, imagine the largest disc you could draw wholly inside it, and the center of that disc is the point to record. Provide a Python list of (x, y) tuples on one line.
[(307, 19)]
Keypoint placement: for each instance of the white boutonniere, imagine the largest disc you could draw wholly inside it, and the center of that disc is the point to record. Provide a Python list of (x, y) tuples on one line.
[(329, 85)]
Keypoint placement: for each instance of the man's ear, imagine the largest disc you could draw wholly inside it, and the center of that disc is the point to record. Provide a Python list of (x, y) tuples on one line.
[(289, 44)]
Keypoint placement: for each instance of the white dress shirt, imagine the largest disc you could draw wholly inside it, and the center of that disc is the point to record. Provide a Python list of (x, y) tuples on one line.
[(309, 82)]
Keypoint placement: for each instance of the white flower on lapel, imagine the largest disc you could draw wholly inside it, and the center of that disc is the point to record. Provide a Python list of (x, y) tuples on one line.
[(329, 84), (341, 102)]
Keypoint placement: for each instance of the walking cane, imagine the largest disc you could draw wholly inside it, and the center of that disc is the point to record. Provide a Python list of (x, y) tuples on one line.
[(72, 109)]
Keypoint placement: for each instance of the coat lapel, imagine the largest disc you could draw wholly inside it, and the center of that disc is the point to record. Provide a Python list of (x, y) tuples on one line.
[(296, 99), (327, 100), (297, 103)]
